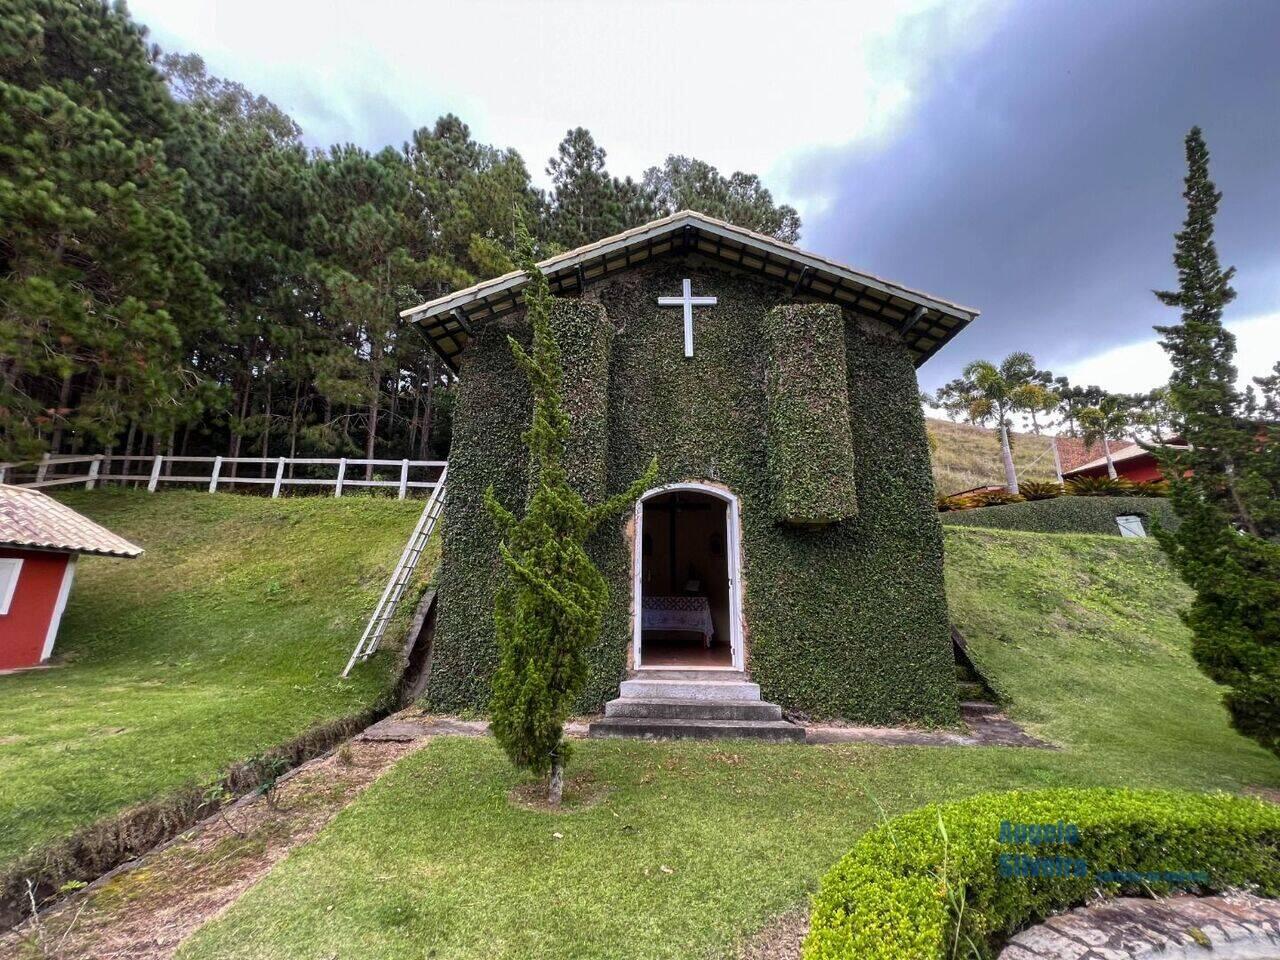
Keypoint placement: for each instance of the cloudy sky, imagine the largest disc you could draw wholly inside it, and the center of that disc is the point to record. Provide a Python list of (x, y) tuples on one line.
[(1024, 158)]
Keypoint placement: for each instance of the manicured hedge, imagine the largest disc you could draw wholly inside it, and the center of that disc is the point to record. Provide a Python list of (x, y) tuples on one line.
[(847, 620), (1066, 515), (810, 445), (928, 884)]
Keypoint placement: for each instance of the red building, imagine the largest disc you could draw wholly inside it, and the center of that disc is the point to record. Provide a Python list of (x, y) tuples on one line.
[(1131, 461), (40, 540)]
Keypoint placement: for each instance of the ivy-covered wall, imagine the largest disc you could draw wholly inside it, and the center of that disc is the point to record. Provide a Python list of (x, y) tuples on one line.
[(845, 620), (807, 384)]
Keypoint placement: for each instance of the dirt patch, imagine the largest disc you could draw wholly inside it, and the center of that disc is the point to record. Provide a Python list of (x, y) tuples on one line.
[(781, 939), (47, 873), (145, 909), (580, 793), (1270, 794)]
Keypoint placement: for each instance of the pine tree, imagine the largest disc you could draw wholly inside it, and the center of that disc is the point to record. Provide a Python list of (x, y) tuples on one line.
[(551, 608), (1226, 483), (686, 183), (99, 269)]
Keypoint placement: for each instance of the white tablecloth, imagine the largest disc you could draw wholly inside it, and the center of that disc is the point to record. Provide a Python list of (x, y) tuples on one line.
[(678, 613)]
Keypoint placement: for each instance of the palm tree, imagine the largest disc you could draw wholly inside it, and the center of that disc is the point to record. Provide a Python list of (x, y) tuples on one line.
[(994, 393), (1111, 419)]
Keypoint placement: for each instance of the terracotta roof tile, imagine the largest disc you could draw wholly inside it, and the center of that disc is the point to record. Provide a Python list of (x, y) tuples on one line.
[(29, 518)]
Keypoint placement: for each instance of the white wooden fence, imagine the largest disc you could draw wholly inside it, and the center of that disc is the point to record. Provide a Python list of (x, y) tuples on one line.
[(212, 473)]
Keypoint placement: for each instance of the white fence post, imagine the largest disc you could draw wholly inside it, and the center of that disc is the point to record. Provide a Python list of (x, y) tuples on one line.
[(155, 474), (275, 487), (217, 469), (91, 481), (342, 473), (43, 468), (404, 478)]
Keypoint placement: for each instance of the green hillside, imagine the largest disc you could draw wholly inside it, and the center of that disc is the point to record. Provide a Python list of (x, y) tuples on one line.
[(224, 639), (965, 456)]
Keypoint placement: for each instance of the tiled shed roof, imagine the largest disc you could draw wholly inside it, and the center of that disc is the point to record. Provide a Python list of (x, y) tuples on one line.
[(29, 518)]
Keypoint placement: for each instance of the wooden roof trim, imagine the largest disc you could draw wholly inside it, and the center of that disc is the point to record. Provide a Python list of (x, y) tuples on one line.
[(767, 247)]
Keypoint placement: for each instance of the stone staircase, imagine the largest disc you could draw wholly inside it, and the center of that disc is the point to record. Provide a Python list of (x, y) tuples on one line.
[(693, 704)]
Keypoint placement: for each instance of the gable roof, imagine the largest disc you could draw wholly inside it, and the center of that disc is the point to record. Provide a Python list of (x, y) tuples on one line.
[(926, 322), (28, 518)]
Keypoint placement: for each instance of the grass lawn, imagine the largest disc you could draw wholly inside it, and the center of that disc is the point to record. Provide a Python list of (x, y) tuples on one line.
[(683, 849), (225, 638)]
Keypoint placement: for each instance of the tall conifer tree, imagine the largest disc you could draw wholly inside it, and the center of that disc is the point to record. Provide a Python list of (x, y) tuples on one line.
[(1226, 484)]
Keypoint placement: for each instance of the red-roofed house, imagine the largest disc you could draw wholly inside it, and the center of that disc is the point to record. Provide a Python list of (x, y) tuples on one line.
[(1131, 461), (40, 540)]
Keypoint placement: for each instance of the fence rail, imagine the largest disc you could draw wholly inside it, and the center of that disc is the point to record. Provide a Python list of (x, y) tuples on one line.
[(57, 470)]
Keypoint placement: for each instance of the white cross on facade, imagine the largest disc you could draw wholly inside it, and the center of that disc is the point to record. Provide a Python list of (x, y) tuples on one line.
[(688, 301)]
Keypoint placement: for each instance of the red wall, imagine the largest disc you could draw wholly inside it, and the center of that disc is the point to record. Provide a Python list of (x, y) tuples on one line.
[(24, 628), (1138, 469)]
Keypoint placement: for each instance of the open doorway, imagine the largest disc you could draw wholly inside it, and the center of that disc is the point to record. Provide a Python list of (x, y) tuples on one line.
[(688, 611)]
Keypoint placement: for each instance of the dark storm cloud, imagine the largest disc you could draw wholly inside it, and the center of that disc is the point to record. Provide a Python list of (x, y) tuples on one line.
[(1039, 178)]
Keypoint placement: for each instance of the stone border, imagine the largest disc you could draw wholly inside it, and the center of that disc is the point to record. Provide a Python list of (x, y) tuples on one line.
[(1227, 927)]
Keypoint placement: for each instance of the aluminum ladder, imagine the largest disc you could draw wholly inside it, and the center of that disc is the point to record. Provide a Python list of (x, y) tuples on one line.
[(400, 577)]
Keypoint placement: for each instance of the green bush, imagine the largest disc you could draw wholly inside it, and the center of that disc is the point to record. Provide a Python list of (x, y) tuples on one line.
[(1067, 515), (1151, 488), (929, 884), (1099, 487), (1040, 489), (993, 498)]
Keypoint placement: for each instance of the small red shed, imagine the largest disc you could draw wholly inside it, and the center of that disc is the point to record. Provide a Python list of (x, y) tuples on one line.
[(40, 540)]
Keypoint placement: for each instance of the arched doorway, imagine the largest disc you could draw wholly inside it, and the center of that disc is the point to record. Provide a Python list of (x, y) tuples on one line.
[(686, 594)]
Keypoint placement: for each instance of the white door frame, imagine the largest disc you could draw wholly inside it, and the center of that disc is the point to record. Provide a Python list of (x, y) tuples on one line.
[(733, 559)]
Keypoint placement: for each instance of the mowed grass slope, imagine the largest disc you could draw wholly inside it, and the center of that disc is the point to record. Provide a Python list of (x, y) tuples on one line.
[(224, 639), (686, 849), (966, 456)]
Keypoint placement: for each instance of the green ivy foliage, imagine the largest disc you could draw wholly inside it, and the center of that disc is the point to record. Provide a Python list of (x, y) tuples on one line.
[(810, 445), (926, 885), (1067, 515), (847, 620)]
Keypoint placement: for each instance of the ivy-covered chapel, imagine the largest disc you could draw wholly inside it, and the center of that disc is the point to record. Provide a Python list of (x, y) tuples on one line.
[(791, 543)]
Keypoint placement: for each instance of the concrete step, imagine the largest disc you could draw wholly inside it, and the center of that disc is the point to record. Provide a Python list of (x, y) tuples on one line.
[(686, 673), (972, 690), (644, 688), (662, 709), (638, 728), (978, 707)]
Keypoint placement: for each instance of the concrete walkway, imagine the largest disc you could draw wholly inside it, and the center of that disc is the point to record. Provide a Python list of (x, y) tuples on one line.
[(986, 727)]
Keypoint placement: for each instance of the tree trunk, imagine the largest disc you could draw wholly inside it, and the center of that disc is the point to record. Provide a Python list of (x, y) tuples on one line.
[(1035, 424), (555, 786), (60, 416), (428, 413), (1111, 467), (266, 426), (1006, 454)]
